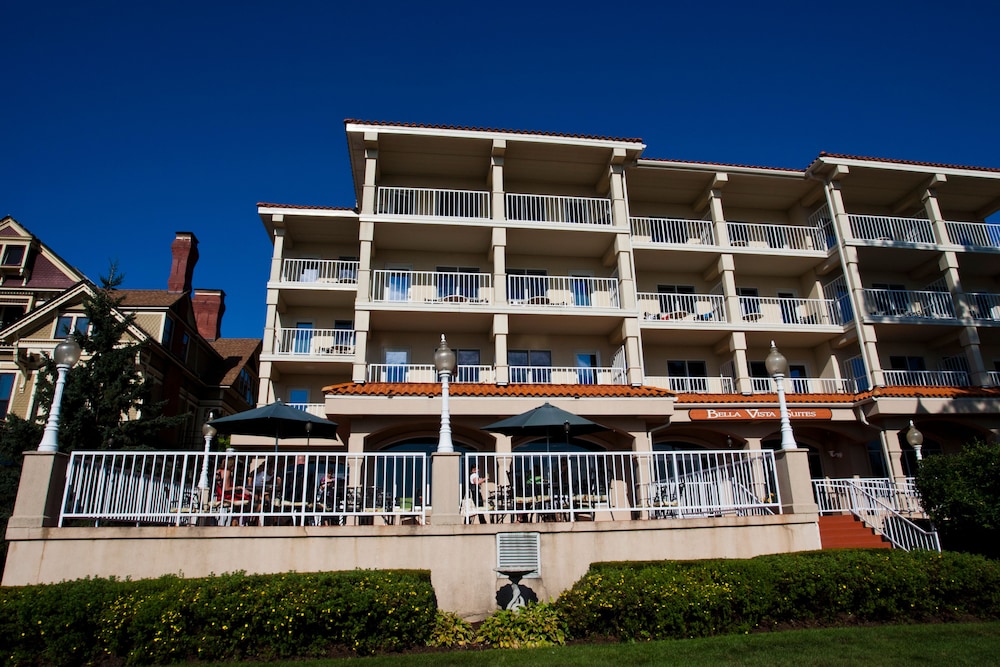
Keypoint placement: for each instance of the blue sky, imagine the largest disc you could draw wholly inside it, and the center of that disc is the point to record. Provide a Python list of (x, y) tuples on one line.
[(124, 122)]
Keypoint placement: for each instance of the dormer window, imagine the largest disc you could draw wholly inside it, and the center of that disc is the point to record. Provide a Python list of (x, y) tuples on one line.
[(12, 257), (72, 324)]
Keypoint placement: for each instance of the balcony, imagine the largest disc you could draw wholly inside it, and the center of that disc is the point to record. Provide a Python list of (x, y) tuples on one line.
[(926, 378), (314, 342), (548, 208), (994, 378), (694, 384), (316, 409), (805, 386), (428, 202), (431, 287), (567, 375), (319, 272), (976, 235), (562, 291), (909, 304), (682, 307), (984, 306), (891, 229), (427, 373), (787, 310), (673, 231), (785, 237)]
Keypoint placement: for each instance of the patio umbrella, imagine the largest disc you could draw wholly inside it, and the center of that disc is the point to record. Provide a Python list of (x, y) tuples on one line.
[(277, 420), (545, 420)]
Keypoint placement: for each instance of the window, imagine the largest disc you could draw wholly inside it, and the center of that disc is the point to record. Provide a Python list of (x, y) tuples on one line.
[(244, 386), (347, 271), (890, 300), (586, 368), (467, 366), (72, 324), (687, 375), (458, 282), (397, 282), (6, 388), (302, 340), (682, 300), (530, 366), (168, 332), (298, 398), (526, 284), (796, 373), (13, 256), (749, 302), (904, 363), (788, 307), (397, 362), (10, 314), (185, 341), (343, 336)]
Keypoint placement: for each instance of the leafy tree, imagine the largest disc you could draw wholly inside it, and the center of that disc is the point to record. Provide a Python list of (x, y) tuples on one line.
[(961, 494), (107, 403)]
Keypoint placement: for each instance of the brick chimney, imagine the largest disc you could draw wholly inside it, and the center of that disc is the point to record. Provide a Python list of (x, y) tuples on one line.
[(208, 306), (184, 250)]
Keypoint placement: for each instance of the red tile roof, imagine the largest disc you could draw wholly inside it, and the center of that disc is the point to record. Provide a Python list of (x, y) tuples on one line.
[(931, 392), (496, 391), (724, 164), (464, 128), (824, 154)]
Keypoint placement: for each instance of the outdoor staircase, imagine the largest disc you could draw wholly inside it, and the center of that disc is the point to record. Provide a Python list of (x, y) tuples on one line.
[(845, 531)]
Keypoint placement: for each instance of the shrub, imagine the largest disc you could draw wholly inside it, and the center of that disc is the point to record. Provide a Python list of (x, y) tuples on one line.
[(451, 631), (641, 601), (533, 626)]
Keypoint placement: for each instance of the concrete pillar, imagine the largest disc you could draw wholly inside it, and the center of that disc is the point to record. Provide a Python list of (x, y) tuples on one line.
[(979, 374), (39, 493), (445, 489), (794, 482), (893, 453), (501, 329), (368, 188), (498, 210)]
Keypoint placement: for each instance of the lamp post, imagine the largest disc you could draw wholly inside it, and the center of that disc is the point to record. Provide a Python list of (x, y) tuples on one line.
[(309, 430), (444, 363), (66, 354), (916, 440), (209, 432), (777, 367)]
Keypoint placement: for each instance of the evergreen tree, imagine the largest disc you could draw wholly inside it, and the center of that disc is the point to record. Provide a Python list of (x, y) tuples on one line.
[(106, 403)]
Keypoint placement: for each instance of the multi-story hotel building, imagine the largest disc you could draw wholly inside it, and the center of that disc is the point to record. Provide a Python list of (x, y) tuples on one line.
[(642, 293)]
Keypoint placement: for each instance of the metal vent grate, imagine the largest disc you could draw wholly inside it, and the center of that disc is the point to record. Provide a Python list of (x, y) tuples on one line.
[(519, 552)]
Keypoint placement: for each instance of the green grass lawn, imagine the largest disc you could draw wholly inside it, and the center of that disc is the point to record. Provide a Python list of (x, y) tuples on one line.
[(953, 645)]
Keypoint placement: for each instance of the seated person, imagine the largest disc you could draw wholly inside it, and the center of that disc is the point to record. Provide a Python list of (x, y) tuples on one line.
[(225, 490)]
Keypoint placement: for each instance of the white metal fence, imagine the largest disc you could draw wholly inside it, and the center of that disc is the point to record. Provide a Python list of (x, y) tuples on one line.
[(683, 307), (673, 231), (431, 286), (888, 228), (974, 234), (319, 271), (567, 375), (895, 378), (789, 237), (314, 342), (574, 291), (549, 208), (700, 384), (790, 310), (797, 385), (921, 304), (880, 504), (164, 488), (984, 306), (431, 202), (574, 486), (427, 373)]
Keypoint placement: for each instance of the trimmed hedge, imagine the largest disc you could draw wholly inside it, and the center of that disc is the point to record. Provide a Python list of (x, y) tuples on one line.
[(227, 617), (662, 600)]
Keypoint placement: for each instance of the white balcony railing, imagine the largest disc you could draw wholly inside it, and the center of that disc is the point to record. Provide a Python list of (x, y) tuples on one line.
[(431, 287), (140, 488), (673, 231), (426, 373), (805, 385), (317, 409), (573, 486), (926, 378), (319, 271), (786, 310), (789, 237), (994, 378), (682, 307), (885, 228), (984, 306), (693, 384), (548, 208), (567, 375), (974, 234), (572, 291), (920, 304), (314, 342), (428, 202)]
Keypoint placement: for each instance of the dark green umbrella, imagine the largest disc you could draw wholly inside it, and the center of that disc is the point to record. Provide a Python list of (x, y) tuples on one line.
[(547, 420), (276, 420)]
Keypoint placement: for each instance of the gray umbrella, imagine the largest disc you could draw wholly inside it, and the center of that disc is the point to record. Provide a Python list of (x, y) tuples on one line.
[(276, 420)]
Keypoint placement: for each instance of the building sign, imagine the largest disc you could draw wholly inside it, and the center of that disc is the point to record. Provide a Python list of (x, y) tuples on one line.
[(758, 414)]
